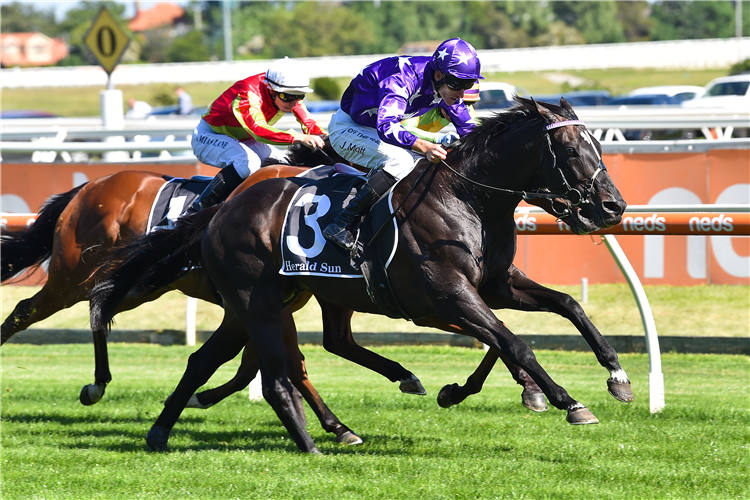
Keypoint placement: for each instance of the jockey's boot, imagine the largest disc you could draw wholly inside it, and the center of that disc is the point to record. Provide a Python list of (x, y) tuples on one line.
[(219, 188), (343, 228)]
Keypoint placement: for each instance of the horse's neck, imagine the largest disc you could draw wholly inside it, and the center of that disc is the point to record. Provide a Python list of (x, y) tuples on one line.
[(515, 168)]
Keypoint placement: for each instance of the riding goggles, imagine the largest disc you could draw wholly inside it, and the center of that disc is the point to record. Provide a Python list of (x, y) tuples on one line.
[(287, 97), (454, 83)]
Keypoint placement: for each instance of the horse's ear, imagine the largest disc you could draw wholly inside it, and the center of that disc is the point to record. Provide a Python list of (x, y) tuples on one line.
[(566, 106), (544, 112)]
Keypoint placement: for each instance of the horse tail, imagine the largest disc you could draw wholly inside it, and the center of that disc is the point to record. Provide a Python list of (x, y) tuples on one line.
[(30, 247), (152, 262)]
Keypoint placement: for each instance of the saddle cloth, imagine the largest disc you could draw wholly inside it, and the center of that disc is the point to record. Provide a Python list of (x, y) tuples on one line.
[(316, 203), (173, 200)]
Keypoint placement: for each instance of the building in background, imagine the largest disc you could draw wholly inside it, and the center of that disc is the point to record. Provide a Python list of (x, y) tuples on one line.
[(30, 49), (159, 16)]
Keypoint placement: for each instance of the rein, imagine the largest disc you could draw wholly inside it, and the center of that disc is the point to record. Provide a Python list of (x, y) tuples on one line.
[(573, 196), (526, 195)]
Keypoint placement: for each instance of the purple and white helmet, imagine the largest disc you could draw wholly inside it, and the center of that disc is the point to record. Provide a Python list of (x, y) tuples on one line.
[(458, 58)]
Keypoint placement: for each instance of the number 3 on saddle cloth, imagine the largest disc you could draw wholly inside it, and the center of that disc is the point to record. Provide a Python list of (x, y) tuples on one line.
[(322, 194), (173, 200)]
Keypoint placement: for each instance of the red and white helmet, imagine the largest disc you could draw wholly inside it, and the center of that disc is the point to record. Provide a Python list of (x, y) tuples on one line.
[(457, 58), (285, 75)]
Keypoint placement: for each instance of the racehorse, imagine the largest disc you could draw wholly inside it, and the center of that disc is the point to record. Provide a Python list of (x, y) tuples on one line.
[(75, 231), (453, 263)]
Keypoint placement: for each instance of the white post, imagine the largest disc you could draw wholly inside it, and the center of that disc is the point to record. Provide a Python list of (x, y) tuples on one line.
[(655, 375), (227, 18), (255, 389), (584, 290), (113, 118), (192, 306)]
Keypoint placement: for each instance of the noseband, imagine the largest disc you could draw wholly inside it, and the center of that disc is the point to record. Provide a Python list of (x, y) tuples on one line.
[(572, 196)]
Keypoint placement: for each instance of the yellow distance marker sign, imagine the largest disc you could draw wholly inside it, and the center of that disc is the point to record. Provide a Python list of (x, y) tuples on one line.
[(106, 40)]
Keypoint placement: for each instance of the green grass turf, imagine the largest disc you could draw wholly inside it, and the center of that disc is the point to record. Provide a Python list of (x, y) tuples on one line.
[(487, 447), (715, 310)]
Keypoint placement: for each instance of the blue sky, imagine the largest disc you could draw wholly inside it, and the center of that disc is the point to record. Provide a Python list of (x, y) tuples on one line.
[(60, 7)]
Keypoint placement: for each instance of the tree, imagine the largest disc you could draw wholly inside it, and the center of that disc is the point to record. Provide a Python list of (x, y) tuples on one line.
[(636, 23), (19, 17), (308, 29), (693, 20), (491, 28), (189, 47), (597, 21)]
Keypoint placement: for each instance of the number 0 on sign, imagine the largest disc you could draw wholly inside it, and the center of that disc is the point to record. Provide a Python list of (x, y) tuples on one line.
[(106, 40)]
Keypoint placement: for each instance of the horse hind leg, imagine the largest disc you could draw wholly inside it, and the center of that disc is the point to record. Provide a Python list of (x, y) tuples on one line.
[(42, 305), (223, 346), (338, 340), (298, 377)]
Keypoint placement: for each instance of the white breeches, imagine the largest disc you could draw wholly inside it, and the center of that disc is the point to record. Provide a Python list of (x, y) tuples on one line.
[(219, 150), (362, 145)]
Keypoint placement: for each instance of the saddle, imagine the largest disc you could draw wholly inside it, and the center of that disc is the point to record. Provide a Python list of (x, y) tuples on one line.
[(322, 193), (173, 200)]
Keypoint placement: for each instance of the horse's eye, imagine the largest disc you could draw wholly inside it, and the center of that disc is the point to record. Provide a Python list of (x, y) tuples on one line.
[(571, 152)]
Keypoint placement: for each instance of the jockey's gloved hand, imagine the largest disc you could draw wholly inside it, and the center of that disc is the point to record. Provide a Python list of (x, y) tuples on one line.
[(446, 139)]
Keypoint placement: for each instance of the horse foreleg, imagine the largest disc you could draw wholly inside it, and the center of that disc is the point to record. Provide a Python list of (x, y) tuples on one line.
[(223, 346), (468, 311), (338, 339), (527, 295), (454, 394), (532, 396)]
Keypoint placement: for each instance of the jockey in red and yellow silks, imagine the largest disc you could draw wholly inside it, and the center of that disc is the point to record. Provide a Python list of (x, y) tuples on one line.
[(246, 111), (237, 133)]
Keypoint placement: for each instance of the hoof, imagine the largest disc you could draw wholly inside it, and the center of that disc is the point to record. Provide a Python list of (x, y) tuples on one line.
[(157, 438), (619, 391), (194, 402), (444, 396), (581, 416), (412, 385), (349, 438), (534, 401), (92, 394)]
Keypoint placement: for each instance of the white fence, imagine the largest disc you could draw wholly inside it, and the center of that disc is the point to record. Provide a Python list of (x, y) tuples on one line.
[(679, 54), (44, 138)]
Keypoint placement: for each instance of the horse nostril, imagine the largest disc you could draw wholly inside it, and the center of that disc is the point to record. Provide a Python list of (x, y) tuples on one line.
[(613, 207)]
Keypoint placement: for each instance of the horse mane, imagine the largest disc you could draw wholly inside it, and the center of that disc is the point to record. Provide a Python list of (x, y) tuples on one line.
[(300, 155), (489, 128)]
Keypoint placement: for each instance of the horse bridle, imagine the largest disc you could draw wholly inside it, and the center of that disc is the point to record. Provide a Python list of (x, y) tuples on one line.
[(572, 196)]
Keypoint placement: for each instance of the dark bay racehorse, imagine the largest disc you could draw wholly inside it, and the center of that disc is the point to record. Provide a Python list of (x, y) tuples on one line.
[(452, 266)]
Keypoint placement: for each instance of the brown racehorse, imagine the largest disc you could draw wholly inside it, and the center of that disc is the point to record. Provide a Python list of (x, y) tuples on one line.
[(76, 230), (453, 263)]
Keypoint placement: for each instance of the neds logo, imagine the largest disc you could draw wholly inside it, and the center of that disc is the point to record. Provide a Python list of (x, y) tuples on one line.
[(652, 223), (720, 223), (526, 223)]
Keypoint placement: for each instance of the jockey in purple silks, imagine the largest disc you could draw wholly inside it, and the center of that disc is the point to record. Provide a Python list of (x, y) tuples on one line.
[(367, 129)]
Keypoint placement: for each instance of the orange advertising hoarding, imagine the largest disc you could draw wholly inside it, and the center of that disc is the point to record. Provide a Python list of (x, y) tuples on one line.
[(713, 177)]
